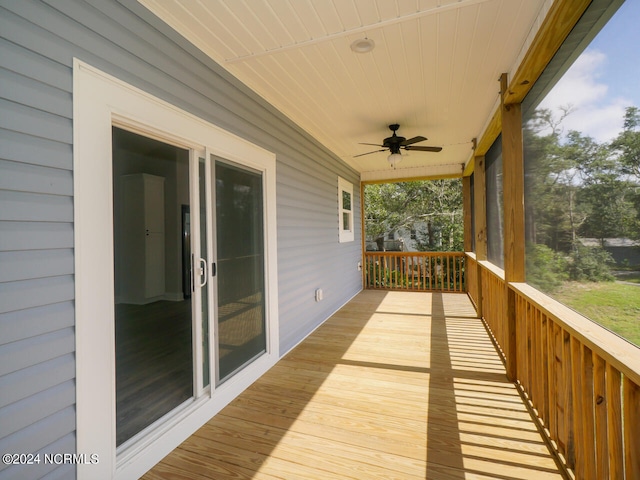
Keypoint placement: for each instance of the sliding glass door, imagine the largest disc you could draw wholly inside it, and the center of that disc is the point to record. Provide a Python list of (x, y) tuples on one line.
[(154, 314), (189, 264), (240, 248)]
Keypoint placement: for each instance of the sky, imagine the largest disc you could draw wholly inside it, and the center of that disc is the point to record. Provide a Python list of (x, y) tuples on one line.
[(604, 80)]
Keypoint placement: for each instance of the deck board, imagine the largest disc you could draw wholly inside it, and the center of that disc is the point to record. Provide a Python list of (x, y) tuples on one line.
[(395, 385)]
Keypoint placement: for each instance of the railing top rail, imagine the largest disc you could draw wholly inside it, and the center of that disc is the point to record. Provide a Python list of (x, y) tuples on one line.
[(618, 352), (494, 269), (415, 254)]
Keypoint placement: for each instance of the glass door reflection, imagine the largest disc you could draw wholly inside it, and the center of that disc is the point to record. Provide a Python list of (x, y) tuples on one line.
[(239, 218)]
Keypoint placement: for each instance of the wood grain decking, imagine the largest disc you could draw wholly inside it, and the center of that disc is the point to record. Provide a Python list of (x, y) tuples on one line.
[(395, 385)]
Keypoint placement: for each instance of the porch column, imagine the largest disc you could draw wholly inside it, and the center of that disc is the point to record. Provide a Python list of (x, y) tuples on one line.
[(466, 213), (513, 207), (480, 215)]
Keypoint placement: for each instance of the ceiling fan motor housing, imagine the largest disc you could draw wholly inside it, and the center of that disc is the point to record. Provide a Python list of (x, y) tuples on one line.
[(393, 142)]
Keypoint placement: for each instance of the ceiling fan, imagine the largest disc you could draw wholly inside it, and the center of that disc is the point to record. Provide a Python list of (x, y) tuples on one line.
[(394, 143)]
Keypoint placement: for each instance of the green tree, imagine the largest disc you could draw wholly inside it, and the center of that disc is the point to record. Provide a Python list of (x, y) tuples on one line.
[(432, 208), (553, 174), (627, 148), (577, 187), (442, 213), (627, 144)]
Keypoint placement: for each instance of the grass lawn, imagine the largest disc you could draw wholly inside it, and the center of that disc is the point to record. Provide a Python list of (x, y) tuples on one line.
[(613, 305)]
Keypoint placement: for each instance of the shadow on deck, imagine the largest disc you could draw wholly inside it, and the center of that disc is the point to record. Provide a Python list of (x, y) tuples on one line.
[(395, 385)]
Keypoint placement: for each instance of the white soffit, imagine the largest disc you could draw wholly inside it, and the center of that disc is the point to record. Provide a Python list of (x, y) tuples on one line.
[(434, 69)]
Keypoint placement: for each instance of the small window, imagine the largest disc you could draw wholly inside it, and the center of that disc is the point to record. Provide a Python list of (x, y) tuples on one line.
[(345, 210)]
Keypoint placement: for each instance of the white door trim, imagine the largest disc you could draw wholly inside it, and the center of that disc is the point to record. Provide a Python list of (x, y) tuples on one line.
[(99, 102)]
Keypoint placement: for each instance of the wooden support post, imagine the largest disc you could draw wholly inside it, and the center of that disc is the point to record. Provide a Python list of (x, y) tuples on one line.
[(480, 215), (513, 191), (363, 239), (466, 213)]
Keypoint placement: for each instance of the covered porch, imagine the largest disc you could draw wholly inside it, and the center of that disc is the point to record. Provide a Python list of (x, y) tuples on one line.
[(396, 384)]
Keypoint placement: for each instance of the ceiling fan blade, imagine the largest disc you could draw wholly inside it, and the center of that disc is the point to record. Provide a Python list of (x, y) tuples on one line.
[(372, 144), (423, 149), (413, 140), (369, 153)]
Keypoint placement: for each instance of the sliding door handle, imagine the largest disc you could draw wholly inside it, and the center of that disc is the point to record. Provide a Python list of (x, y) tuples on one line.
[(202, 272)]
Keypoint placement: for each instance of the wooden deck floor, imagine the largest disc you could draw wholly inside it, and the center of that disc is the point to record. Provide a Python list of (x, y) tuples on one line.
[(396, 385)]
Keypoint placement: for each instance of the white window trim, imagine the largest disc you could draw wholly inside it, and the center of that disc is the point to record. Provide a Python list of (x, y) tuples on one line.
[(99, 101), (345, 235)]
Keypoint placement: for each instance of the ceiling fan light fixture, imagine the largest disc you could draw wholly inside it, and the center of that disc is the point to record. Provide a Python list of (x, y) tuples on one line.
[(394, 159), (363, 45)]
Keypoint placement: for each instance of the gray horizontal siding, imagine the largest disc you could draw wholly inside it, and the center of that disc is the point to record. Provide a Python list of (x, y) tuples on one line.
[(31, 322), (26, 149), (13, 418), (23, 177), (39, 437), (23, 383), (34, 93), (36, 123), (38, 41), (35, 236), (25, 265), (30, 65), (33, 350), (32, 207)]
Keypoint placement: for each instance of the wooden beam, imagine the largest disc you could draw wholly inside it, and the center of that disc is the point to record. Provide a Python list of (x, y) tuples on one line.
[(560, 20), (513, 190), (363, 238), (480, 208), (480, 216), (513, 208), (468, 170), (490, 134), (466, 212)]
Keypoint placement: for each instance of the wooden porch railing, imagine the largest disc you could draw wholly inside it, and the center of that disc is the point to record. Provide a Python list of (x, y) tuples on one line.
[(419, 271), (582, 381)]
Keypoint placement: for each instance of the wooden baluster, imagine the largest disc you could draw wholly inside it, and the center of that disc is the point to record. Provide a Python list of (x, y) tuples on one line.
[(545, 357), (589, 406), (631, 429), (601, 434), (526, 342), (424, 270), (407, 272), (614, 422), (537, 364), (578, 406), (560, 404), (568, 401), (551, 359)]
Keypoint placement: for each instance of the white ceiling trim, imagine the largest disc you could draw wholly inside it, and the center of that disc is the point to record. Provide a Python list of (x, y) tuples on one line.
[(364, 29), (400, 174)]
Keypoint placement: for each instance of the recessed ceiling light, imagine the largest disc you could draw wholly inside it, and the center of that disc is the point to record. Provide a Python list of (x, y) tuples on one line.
[(363, 45)]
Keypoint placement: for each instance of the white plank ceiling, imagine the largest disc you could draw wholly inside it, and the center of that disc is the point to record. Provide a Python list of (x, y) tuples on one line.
[(434, 69)]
